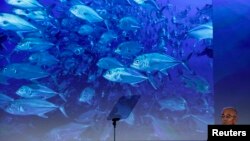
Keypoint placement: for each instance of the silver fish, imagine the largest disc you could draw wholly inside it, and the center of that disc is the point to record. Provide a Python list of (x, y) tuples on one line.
[(43, 59), (109, 63), (36, 107), (15, 23), (37, 91), (128, 23), (24, 71), (129, 48), (33, 45), (173, 104), (204, 31), (198, 83), (124, 75), (38, 15), (154, 62), (27, 4), (147, 3), (85, 13), (85, 30), (107, 37)]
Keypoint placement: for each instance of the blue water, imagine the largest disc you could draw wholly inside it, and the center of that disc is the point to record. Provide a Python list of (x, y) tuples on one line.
[(175, 102), (231, 63)]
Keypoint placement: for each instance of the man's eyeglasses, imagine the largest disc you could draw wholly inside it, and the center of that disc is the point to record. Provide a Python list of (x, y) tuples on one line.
[(227, 116)]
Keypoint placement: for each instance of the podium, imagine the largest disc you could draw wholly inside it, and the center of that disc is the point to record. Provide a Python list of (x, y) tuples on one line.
[(122, 109)]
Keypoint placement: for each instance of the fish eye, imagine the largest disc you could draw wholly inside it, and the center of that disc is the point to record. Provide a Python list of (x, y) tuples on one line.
[(5, 22), (77, 51), (137, 61), (13, 70), (5, 69), (22, 90), (31, 57)]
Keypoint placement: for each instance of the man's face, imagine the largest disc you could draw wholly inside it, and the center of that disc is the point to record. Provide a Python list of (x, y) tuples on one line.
[(228, 117)]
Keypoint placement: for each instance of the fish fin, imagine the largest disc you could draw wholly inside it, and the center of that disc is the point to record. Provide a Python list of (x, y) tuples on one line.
[(42, 115), (129, 3), (134, 84), (165, 72), (20, 34), (153, 82), (106, 24), (61, 108), (21, 109), (62, 97), (185, 63)]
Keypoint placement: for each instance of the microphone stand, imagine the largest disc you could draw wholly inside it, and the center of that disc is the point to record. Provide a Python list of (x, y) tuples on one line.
[(114, 124)]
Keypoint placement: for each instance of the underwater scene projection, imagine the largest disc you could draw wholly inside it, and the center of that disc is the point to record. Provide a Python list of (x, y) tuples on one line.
[(64, 64)]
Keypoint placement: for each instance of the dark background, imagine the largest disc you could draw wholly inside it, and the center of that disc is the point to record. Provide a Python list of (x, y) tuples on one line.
[(232, 57)]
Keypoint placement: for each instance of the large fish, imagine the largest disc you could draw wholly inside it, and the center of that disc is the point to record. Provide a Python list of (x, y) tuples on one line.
[(107, 37), (36, 107), (15, 23), (154, 62), (129, 49), (128, 23), (37, 91), (43, 59), (33, 45), (76, 49), (86, 13), (173, 104), (147, 3), (109, 63), (85, 30), (204, 31), (27, 4), (24, 71), (124, 75), (197, 83), (38, 15)]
